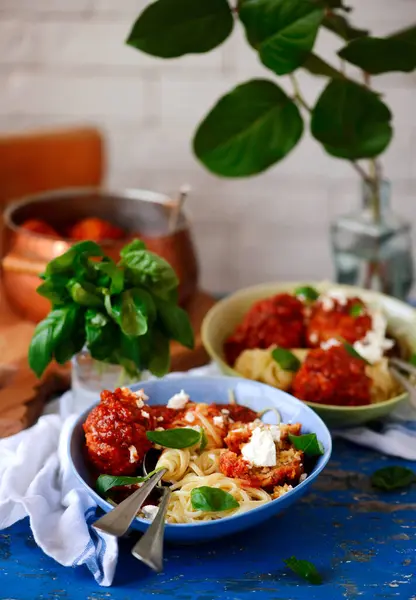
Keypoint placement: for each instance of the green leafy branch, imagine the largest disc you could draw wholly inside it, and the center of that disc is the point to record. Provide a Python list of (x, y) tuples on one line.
[(257, 124), (125, 313)]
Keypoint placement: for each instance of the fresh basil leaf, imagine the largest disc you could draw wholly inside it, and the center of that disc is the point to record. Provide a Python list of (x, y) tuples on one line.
[(175, 438), (317, 66), (211, 499), (176, 323), (49, 334), (149, 270), (341, 26), (307, 292), (248, 130), (72, 337), (286, 359), (304, 569), (101, 335), (204, 440), (353, 352), (133, 321), (85, 294), (115, 273), (64, 263), (54, 289), (159, 361), (356, 310), (172, 28), (308, 443), (412, 359), (393, 478), (106, 482), (133, 246)]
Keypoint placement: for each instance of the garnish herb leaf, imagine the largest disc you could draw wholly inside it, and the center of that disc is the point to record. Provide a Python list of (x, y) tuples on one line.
[(176, 323), (393, 478), (304, 569), (211, 499), (175, 438), (353, 352), (115, 274), (144, 268), (308, 443), (356, 310), (412, 359), (106, 482), (204, 440), (64, 263), (286, 359), (307, 292)]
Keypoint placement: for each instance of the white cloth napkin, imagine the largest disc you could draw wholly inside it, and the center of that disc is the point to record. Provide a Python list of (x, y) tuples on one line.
[(36, 481)]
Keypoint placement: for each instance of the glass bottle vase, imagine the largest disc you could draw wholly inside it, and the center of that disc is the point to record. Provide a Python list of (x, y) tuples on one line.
[(372, 247)]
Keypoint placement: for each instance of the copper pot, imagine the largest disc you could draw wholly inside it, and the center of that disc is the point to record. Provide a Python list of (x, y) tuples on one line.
[(140, 213)]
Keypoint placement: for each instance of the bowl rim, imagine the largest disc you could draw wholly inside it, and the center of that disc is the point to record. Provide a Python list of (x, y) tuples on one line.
[(206, 380), (324, 285)]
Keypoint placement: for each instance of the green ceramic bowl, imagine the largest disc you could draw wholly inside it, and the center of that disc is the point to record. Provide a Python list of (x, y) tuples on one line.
[(222, 319)]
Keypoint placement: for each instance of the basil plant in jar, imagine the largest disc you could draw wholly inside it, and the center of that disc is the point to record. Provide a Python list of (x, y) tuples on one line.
[(257, 124), (114, 321)]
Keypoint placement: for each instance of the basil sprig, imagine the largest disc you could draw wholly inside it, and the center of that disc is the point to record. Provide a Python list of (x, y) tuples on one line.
[(356, 310), (308, 443), (286, 359), (175, 438), (211, 499), (125, 313), (106, 482), (304, 569), (393, 478), (307, 293), (412, 359), (353, 352)]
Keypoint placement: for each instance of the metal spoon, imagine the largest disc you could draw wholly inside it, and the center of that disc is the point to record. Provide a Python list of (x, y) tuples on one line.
[(117, 521)]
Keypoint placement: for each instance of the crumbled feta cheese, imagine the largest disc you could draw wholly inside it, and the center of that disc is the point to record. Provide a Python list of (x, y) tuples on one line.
[(374, 343), (178, 401), (256, 423), (260, 450), (160, 419), (134, 457), (328, 299), (225, 411), (275, 431), (218, 421), (302, 477), (160, 429), (149, 512), (145, 414), (190, 417), (329, 344), (313, 338), (139, 403)]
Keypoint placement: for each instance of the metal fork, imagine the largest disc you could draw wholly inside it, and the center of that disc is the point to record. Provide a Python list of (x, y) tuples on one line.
[(117, 521), (149, 549)]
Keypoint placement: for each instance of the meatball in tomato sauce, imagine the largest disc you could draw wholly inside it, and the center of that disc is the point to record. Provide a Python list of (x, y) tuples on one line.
[(332, 376), (346, 319), (115, 432), (275, 321)]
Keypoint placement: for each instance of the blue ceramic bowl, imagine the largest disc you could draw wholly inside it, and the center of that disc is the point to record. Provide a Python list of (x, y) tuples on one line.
[(216, 389)]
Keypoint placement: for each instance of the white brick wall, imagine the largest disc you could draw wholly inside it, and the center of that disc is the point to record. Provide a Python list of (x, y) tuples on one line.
[(64, 62)]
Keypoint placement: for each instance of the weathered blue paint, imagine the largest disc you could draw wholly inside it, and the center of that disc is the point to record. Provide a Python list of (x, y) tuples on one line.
[(364, 543)]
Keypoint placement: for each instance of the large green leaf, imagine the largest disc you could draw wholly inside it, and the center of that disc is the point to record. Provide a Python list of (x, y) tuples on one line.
[(341, 26), (317, 66), (171, 28), (283, 31), (351, 121), (381, 55), (248, 130)]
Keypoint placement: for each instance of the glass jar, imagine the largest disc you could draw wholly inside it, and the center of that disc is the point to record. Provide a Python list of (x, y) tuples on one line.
[(372, 247), (89, 377)]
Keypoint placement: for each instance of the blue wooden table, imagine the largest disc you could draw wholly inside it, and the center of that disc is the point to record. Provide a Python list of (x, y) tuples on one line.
[(363, 542)]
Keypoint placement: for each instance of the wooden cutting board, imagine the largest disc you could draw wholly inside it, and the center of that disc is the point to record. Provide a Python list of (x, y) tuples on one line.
[(23, 396)]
